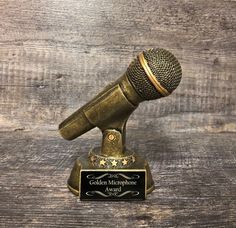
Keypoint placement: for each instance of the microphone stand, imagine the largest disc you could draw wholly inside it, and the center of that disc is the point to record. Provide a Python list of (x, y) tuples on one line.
[(112, 155)]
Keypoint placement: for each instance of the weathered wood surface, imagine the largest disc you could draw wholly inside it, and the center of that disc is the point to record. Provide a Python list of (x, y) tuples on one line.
[(194, 176), (56, 55)]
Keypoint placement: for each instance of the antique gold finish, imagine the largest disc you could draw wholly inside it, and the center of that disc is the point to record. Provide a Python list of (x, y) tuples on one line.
[(113, 153), (113, 143), (104, 161), (83, 164), (119, 93), (151, 76), (110, 110)]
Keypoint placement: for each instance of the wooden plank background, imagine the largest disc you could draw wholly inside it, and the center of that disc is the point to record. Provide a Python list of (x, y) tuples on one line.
[(56, 55)]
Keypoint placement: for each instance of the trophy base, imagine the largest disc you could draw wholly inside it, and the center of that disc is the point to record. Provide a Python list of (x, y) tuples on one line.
[(95, 162)]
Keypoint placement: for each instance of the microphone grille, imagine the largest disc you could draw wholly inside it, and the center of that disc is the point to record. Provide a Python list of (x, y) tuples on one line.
[(163, 65)]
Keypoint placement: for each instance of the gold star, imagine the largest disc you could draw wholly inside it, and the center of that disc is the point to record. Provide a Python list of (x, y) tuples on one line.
[(124, 162), (102, 162), (114, 163)]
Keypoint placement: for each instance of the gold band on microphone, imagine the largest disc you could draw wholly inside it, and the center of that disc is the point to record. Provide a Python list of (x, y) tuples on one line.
[(151, 76)]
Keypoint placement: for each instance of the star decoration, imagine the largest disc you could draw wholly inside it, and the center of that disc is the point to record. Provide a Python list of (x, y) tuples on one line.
[(102, 162), (114, 163), (124, 162)]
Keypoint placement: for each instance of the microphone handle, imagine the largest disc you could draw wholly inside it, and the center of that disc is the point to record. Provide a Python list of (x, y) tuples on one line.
[(116, 99)]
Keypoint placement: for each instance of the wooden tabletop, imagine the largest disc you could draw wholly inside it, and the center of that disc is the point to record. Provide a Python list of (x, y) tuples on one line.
[(56, 55), (194, 176)]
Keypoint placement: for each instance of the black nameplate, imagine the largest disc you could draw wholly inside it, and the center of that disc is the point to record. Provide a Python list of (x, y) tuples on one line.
[(113, 184)]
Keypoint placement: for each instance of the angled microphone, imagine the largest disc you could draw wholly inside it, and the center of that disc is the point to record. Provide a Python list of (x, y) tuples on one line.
[(155, 73)]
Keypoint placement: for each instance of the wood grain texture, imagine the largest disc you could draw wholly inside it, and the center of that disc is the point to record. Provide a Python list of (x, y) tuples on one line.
[(194, 175), (56, 55)]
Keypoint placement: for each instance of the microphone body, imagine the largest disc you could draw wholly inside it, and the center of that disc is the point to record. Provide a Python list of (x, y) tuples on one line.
[(155, 73)]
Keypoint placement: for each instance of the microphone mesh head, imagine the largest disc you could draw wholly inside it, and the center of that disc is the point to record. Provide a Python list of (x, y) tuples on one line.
[(163, 65)]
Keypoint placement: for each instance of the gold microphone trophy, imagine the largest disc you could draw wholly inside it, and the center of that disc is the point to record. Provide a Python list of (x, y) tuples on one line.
[(113, 172)]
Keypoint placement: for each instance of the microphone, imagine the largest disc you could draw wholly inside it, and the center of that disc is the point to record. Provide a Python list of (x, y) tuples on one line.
[(154, 74)]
